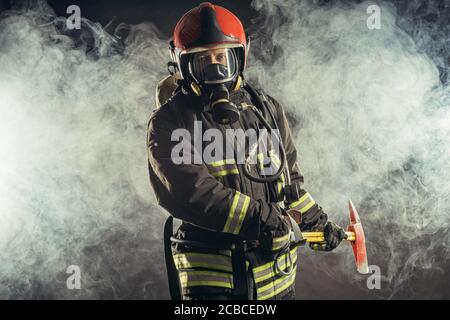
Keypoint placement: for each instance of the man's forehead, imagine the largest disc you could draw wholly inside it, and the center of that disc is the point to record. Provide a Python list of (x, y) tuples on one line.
[(213, 51)]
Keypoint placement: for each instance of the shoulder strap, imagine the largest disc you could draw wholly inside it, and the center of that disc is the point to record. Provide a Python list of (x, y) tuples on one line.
[(172, 273)]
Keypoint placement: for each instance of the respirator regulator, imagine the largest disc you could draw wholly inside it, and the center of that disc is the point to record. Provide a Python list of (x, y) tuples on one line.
[(216, 70), (223, 111)]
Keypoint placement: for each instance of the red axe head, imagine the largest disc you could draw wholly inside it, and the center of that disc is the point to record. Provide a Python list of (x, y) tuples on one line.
[(359, 244)]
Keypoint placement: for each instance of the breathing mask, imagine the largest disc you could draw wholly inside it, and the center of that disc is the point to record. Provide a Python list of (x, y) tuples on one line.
[(216, 70)]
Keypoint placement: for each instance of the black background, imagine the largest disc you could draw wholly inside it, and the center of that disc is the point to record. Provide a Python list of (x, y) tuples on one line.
[(164, 14)]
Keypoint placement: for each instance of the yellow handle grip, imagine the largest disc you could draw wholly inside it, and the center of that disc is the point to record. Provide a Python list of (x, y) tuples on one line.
[(313, 237)]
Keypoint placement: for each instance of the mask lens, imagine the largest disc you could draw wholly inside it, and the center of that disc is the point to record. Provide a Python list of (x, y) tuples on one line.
[(214, 66)]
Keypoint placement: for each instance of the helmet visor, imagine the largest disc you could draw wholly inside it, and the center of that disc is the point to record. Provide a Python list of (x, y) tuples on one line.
[(216, 65)]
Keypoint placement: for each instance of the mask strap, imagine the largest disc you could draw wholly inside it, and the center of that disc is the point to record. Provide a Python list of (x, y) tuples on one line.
[(237, 84), (196, 89)]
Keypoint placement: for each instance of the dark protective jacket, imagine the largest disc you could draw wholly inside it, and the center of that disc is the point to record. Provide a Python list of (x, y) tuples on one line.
[(218, 204)]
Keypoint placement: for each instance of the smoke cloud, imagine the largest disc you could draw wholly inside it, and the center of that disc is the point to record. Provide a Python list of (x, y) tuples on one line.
[(73, 175), (370, 114), (372, 124)]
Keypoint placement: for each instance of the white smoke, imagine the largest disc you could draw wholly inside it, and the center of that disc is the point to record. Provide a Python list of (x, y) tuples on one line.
[(372, 124), (73, 172), (371, 121)]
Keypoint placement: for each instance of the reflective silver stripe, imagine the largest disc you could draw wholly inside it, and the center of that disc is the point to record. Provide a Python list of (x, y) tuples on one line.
[(261, 158), (276, 287), (271, 270), (275, 164), (304, 203), (222, 162), (280, 242), (237, 213), (202, 260), (223, 167), (268, 270), (275, 161), (274, 157), (194, 278)]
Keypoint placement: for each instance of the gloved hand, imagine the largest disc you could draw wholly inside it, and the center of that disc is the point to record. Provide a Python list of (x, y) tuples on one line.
[(333, 237)]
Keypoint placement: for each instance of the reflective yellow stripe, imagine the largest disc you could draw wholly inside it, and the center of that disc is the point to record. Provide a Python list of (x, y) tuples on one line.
[(202, 260), (242, 214), (282, 285), (304, 203), (280, 183), (273, 158), (260, 157), (276, 162), (222, 168), (307, 207), (281, 239), (237, 213), (280, 242), (225, 172), (231, 213), (222, 162), (193, 278), (270, 264), (302, 198), (270, 274), (276, 287), (267, 270), (208, 284)]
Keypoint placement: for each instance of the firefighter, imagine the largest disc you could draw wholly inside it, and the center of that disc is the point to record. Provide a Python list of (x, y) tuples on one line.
[(240, 226)]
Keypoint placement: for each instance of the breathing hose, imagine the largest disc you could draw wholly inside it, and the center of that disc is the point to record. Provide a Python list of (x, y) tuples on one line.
[(282, 167)]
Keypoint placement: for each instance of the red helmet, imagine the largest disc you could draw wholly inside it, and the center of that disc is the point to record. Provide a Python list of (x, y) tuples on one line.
[(207, 27)]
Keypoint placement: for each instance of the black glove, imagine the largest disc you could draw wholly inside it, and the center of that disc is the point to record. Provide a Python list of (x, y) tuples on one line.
[(333, 236)]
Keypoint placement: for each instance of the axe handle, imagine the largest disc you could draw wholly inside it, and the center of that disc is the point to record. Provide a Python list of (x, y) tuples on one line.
[(319, 237)]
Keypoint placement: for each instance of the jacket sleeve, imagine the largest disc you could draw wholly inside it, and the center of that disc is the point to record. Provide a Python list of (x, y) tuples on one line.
[(206, 202), (313, 217)]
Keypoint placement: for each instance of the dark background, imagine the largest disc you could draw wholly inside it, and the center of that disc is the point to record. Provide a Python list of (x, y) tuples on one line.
[(164, 14)]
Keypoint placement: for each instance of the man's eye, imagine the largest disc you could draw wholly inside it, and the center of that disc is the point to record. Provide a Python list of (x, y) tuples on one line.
[(220, 57)]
